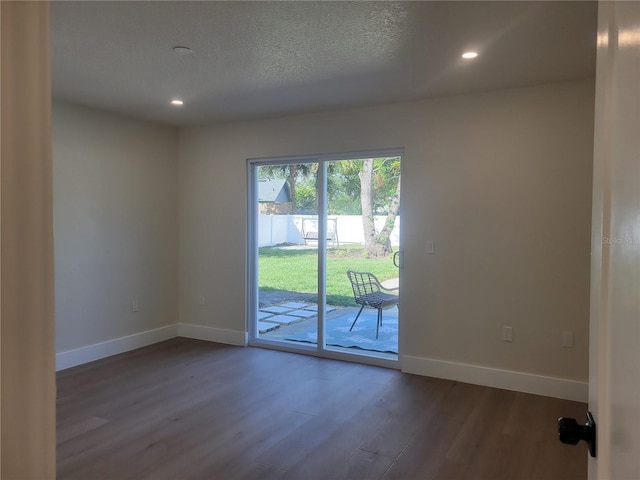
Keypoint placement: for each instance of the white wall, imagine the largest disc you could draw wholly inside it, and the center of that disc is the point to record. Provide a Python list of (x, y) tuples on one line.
[(500, 181), (115, 224)]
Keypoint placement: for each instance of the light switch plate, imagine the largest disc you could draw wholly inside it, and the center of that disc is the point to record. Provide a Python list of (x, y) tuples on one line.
[(507, 334)]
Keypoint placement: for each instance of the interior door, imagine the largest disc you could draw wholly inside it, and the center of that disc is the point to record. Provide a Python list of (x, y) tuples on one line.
[(614, 370)]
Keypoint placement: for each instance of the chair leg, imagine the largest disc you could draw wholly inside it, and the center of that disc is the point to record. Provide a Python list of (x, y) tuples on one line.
[(354, 322), (379, 322)]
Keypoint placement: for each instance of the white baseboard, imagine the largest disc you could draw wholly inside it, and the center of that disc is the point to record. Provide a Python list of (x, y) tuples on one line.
[(211, 334), (81, 355), (493, 377), (486, 376)]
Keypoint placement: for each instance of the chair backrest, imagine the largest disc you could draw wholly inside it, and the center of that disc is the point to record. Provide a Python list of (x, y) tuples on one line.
[(363, 283)]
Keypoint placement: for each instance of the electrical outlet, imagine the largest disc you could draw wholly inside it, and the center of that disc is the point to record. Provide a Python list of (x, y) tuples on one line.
[(429, 247), (135, 306), (567, 339), (507, 334)]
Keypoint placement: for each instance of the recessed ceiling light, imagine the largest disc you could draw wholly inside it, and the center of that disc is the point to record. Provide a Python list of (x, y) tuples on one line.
[(177, 102), (469, 54), (180, 50)]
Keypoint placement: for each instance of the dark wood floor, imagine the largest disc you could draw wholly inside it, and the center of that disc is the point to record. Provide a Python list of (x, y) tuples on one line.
[(186, 409)]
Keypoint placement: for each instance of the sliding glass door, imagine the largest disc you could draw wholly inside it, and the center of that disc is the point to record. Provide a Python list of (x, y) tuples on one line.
[(286, 269), (324, 249)]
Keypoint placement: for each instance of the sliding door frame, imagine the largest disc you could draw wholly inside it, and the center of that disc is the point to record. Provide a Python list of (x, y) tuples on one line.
[(252, 288)]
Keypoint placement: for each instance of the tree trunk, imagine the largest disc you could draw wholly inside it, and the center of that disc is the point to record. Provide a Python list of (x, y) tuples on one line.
[(385, 235), (293, 173), (371, 244), (377, 245)]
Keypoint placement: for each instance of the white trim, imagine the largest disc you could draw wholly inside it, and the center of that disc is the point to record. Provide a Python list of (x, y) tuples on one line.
[(212, 334), (328, 157), (252, 249), (251, 287), (496, 378), (486, 376), (89, 353), (364, 357)]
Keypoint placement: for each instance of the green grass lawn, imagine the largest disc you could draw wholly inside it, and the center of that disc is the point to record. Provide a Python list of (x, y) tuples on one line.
[(297, 271)]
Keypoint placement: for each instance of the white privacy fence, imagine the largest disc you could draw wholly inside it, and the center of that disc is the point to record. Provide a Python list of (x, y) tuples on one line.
[(277, 229)]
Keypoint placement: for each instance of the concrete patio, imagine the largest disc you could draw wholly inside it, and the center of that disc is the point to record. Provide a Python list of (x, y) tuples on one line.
[(280, 322)]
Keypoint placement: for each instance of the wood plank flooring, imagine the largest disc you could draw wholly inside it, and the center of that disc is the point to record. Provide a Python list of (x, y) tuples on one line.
[(186, 409)]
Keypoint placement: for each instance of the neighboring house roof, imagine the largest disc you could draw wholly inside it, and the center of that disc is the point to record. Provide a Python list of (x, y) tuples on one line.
[(276, 191)]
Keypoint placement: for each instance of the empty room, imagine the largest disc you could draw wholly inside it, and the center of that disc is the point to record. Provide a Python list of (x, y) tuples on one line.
[(331, 240)]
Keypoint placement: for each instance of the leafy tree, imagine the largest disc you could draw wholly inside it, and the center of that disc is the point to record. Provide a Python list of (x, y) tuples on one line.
[(344, 186), (306, 198), (366, 187), (377, 244), (292, 172)]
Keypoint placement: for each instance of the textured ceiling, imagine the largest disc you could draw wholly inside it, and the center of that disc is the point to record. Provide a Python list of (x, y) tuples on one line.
[(258, 59)]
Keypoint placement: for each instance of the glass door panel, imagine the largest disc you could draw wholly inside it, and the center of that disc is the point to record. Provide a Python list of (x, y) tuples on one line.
[(287, 259), (362, 236)]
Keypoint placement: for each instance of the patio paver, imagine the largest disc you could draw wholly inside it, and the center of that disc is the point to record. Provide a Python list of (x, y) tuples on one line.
[(264, 327), (282, 319), (275, 309), (314, 308), (303, 313), (294, 305), (262, 315)]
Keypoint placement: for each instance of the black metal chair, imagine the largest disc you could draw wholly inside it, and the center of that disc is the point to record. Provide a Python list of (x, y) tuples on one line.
[(367, 292)]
